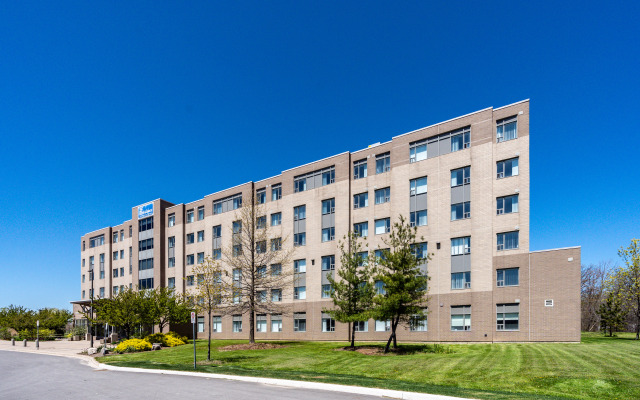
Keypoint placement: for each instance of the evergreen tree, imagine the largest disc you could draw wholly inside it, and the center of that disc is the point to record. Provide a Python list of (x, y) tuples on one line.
[(611, 314)]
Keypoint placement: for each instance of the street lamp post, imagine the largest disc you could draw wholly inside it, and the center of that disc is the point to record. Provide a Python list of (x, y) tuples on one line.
[(90, 324)]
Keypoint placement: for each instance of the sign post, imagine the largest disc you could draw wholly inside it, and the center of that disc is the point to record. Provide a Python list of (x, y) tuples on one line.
[(193, 322), (38, 334)]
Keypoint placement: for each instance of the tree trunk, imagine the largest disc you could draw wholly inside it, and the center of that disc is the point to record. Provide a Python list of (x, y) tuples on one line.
[(386, 348), (353, 335), (209, 346), (394, 326)]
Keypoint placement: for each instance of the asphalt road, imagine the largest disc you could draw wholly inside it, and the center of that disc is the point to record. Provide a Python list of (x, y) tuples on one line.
[(43, 377)]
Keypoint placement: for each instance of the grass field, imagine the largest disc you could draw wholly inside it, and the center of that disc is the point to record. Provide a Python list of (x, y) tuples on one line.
[(598, 368)]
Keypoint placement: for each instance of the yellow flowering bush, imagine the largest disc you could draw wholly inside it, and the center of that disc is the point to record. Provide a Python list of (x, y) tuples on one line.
[(167, 340), (132, 345), (172, 341)]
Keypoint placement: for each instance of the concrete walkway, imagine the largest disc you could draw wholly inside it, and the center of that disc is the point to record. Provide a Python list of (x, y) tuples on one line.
[(65, 348)]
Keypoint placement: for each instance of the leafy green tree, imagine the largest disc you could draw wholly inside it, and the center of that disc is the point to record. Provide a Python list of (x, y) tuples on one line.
[(611, 314), (627, 279), (17, 317), (405, 284), (210, 291), (168, 307), (54, 318), (353, 292), (124, 310)]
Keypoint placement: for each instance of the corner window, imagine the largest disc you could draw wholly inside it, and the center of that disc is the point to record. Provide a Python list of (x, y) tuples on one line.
[(507, 168), (507, 204), (507, 129)]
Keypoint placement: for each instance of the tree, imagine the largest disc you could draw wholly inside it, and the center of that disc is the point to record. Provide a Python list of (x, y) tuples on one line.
[(592, 293), (353, 292), (627, 279), (54, 319), (17, 317), (405, 283), (252, 252), (169, 308), (611, 314), (210, 291), (124, 310)]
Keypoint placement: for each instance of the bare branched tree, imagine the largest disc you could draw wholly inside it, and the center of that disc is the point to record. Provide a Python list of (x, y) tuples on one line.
[(259, 266), (592, 293)]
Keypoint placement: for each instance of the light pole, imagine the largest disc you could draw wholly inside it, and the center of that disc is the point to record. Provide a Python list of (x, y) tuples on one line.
[(90, 324)]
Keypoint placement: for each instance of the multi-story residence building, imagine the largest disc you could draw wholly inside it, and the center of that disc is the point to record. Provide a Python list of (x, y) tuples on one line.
[(464, 183)]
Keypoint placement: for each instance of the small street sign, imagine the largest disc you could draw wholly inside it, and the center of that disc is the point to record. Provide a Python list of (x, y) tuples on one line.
[(193, 317)]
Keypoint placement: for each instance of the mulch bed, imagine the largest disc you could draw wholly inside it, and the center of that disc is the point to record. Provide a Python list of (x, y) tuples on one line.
[(254, 346), (366, 350)]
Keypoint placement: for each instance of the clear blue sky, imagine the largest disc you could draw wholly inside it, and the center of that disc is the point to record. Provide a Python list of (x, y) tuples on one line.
[(98, 101)]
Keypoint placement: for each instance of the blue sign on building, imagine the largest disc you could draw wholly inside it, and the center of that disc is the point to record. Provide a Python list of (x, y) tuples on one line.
[(145, 210)]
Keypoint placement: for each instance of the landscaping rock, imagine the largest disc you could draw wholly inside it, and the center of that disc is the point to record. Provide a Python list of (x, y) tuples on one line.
[(92, 350)]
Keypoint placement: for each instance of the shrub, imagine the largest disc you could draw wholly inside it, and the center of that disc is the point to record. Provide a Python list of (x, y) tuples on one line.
[(178, 336), (5, 334), (173, 341), (156, 338), (170, 339), (132, 345), (32, 334)]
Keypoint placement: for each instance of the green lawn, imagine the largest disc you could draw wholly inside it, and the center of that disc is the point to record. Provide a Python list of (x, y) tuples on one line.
[(598, 368)]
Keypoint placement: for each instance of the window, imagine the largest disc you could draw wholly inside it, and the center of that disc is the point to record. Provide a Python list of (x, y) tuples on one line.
[(328, 206), (276, 192), (507, 168), (83, 245), (383, 163), (190, 216), (200, 258), (237, 323), (276, 269), (508, 240), (122, 254), (115, 237), (82, 278), (227, 204), (461, 280), (299, 213), (172, 262), (276, 219), (379, 287), (276, 323), (507, 204), (361, 200), (328, 263), (276, 295), (130, 235), (417, 324), (461, 211), (418, 151), (299, 322), (145, 283), (328, 234), (200, 324), (361, 229), (507, 317), (83, 263), (121, 235), (418, 186), (460, 176), (237, 250), (115, 255), (261, 272), (83, 293), (261, 323), (171, 242), (276, 244), (115, 272), (91, 262), (418, 218), (420, 250), (190, 280), (190, 238), (172, 220), (507, 129), (261, 222), (171, 283), (326, 291), (360, 169), (96, 241), (328, 324), (361, 326), (261, 246), (145, 264), (102, 266), (383, 326), (190, 259), (383, 226), (314, 179), (261, 198), (200, 213), (102, 292), (383, 195), (461, 246), (300, 266), (146, 244), (216, 324), (379, 254), (363, 257), (460, 318), (121, 271), (300, 239), (508, 277), (460, 139), (237, 227), (300, 293)]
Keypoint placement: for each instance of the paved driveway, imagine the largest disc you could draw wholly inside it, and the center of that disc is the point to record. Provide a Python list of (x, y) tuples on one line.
[(35, 376)]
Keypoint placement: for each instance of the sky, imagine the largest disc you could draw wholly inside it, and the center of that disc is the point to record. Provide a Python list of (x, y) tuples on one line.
[(107, 105)]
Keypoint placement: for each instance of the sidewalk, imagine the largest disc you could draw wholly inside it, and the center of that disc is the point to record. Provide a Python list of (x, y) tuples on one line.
[(65, 348)]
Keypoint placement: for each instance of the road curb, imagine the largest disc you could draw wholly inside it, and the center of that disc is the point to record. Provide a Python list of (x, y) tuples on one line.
[(394, 394)]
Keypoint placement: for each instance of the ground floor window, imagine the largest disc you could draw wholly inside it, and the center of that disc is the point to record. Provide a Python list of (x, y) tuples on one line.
[(328, 324), (200, 324), (507, 317), (276, 323), (417, 324), (460, 318), (261, 323), (300, 322), (216, 324), (361, 326), (237, 323), (382, 326)]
